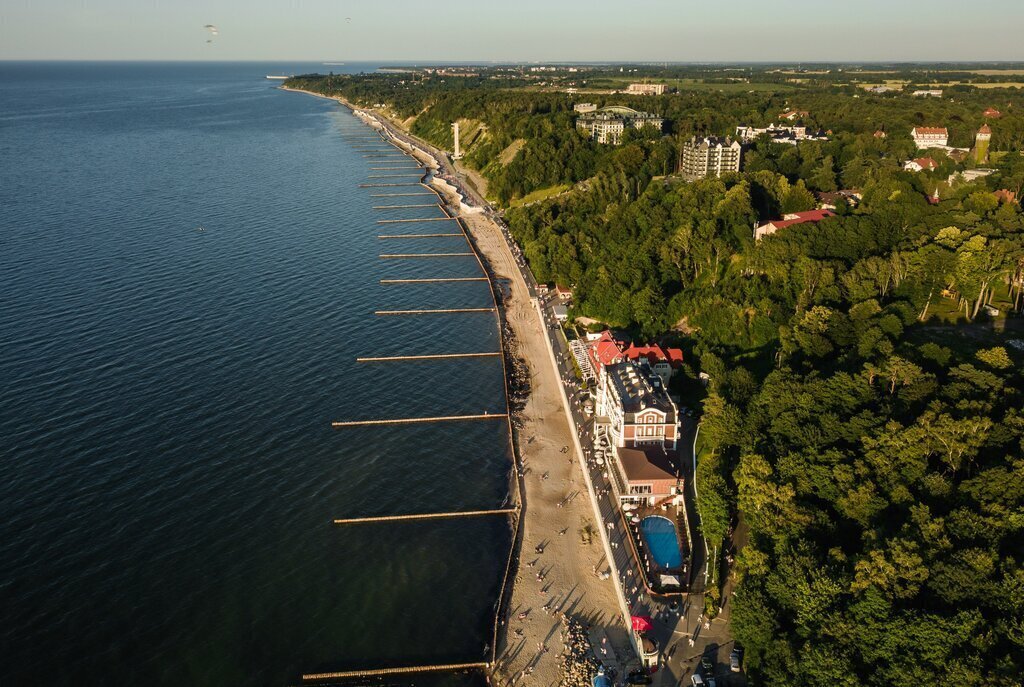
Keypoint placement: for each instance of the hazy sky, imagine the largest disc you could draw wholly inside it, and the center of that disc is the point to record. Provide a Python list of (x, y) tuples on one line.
[(514, 30)]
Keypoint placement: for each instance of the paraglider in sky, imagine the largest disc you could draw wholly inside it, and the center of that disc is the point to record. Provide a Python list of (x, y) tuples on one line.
[(213, 32)]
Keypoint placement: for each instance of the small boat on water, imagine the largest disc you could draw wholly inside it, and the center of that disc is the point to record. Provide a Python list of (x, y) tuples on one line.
[(277, 77)]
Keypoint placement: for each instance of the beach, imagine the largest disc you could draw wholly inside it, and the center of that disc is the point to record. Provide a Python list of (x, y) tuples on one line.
[(565, 580)]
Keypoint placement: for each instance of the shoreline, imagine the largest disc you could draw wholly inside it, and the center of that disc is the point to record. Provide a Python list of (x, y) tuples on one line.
[(443, 192), (545, 456)]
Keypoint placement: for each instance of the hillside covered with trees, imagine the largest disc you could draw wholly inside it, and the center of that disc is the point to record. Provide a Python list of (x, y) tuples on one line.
[(863, 424)]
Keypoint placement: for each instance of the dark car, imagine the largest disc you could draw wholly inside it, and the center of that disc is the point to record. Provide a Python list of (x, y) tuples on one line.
[(708, 664)]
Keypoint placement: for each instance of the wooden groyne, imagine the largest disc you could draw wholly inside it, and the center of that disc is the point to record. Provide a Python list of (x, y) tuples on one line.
[(349, 674), (402, 207), (433, 356), (395, 195), (435, 280), (424, 516), (418, 420), (392, 176), (381, 185), (416, 236), (395, 256), (435, 311), (422, 219)]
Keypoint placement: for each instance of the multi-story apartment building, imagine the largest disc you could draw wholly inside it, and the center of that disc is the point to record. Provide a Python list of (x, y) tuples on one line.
[(607, 124), (646, 89), (642, 425), (780, 134), (710, 157), (930, 136), (634, 404)]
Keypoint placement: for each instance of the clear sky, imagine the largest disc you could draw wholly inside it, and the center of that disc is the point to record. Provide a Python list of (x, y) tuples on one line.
[(516, 30)]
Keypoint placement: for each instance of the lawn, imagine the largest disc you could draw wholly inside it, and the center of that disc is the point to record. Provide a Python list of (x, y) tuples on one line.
[(539, 194)]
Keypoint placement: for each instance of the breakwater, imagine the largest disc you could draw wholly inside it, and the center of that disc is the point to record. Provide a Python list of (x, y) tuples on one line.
[(514, 469)]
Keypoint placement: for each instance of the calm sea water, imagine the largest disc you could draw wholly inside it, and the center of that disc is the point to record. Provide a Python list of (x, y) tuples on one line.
[(168, 471)]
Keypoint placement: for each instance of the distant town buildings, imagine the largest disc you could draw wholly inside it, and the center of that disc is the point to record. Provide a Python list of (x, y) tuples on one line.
[(793, 115), (584, 107), (927, 94), (930, 136), (779, 134), (969, 175), (646, 89), (789, 220), (921, 164), (710, 157), (829, 200), (992, 113), (607, 124)]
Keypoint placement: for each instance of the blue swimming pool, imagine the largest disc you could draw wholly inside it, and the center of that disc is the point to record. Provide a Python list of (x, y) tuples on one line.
[(660, 535)]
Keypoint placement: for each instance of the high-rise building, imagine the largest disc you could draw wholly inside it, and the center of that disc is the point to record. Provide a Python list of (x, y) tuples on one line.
[(710, 157)]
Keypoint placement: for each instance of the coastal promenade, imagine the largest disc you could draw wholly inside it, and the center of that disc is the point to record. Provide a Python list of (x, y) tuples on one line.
[(565, 493)]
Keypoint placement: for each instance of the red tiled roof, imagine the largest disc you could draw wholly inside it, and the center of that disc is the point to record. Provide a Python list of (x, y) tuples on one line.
[(803, 218), (926, 163), (654, 354), (607, 350), (1006, 195), (985, 129), (992, 112), (921, 130)]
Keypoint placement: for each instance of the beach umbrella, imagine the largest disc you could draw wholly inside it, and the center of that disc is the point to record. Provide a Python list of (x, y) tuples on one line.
[(641, 623)]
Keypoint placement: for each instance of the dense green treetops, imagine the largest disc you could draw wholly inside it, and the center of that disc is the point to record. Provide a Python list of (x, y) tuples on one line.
[(864, 424)]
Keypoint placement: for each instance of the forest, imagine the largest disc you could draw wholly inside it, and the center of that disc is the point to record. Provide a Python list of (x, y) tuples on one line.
[(863, 430)]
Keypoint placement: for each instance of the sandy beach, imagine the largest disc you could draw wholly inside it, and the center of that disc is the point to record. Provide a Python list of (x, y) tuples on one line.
[(565, 579), (558, 515)]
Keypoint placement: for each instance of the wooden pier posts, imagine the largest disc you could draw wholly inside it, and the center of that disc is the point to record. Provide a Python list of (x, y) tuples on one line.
[(434, 356), (434, 311), (424, 516), (418, 420), (311, 677)]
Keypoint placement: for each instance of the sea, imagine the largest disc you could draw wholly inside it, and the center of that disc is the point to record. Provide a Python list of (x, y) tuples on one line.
[(189, 269)]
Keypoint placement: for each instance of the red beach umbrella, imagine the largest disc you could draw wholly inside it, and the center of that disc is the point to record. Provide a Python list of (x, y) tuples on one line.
[(641, 623)]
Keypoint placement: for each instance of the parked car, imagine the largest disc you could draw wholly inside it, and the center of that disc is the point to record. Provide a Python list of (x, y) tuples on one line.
[(707, 663), (734, 661), (697, 680)]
